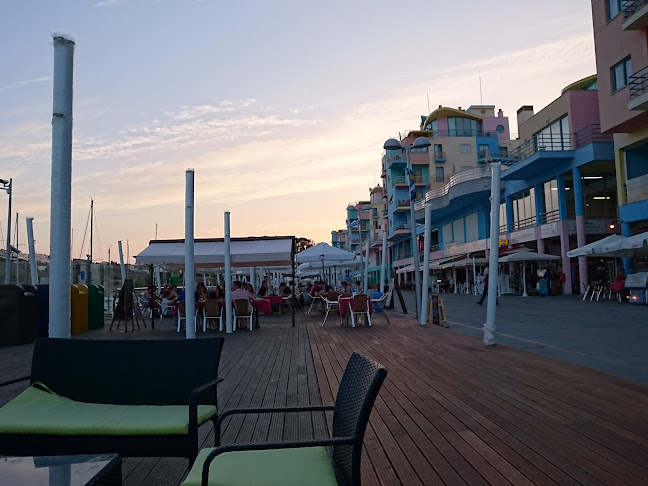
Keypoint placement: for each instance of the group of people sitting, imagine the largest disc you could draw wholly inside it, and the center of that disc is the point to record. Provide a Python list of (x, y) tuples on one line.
[(321, 288)]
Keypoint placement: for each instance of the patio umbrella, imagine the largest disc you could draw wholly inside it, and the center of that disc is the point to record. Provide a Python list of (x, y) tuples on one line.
[(628, 247), (596, 247), (526, 256), (323, 252)]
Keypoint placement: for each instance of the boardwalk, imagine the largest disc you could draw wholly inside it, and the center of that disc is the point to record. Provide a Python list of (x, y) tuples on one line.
[(451, 411)]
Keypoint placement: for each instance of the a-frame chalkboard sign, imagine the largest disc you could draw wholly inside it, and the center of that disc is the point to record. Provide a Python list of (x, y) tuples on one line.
[(127, 308)]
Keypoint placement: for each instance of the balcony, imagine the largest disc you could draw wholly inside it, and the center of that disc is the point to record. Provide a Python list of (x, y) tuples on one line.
[(401, 229), (397, 160), (591, 134), (639, 90), (402, 206), (440, 156), (635, 14), (403, 181), (463, 176), (637, 189)]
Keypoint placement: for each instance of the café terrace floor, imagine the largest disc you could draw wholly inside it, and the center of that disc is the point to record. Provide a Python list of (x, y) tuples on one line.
[(452, 411)]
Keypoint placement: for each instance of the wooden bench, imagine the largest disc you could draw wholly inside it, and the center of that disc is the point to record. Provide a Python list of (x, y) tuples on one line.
[(139, 398)]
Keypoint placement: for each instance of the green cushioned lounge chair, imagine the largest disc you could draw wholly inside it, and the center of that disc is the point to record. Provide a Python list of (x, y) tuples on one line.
[(302, 462)]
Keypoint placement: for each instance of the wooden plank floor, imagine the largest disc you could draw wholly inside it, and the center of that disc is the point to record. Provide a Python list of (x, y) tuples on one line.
[(453, 411)]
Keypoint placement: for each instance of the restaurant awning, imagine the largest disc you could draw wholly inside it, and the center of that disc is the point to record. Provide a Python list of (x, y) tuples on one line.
[(262, 251)]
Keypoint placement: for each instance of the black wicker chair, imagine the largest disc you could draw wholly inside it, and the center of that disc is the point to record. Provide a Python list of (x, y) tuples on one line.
[(301, 462), (153, 374)]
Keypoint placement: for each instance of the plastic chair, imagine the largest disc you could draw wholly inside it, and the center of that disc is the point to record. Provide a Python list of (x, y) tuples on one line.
[(587, 287), (275, 462), (332, 302), (314, 299), (360, 307), (243, 310), (213, 310), (182, 314)]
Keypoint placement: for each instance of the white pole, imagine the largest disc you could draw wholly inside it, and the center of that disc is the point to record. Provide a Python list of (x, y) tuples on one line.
[(489, 327), (7, 278), (61, 189), (365, 276), (427, 246), (383, 265), (474, 277), (190, 271), (157, 278), (524, 292), (414, 241), (33, 270), (121, 261), (228, 276), (253, 277)]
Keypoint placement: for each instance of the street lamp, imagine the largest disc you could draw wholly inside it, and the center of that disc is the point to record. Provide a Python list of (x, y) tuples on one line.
[(419, 143), (6, 185)]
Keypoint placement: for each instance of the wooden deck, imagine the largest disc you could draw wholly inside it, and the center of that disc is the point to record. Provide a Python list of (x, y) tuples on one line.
[(451, 411)]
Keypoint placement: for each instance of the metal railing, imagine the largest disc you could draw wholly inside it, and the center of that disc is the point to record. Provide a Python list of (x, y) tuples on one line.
[(550, 216), (403, 202), (630, 7), (591, 134), (463, 176), (440, 155), (524, 223), (639, 82), (418, 179), (397, 158), (401, 226)]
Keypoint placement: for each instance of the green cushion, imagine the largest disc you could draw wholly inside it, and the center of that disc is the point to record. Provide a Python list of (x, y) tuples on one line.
[(275, 467), (38, 412)]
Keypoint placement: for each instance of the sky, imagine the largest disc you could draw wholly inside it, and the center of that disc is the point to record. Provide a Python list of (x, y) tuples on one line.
[(281, 107)]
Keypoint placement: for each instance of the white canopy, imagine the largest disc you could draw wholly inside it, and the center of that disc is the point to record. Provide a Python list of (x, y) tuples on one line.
[(264, 251), (466, 262), (323, 252), (596, 247), (628, 247), (527, 256)]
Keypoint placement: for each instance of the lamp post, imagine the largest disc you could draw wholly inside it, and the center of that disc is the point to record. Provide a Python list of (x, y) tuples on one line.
[(6, 185), (419, 143)]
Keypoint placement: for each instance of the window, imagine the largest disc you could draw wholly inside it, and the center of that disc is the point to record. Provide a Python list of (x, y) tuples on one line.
[(613, 8), (463, 127), (465, 148), (440, 176), (503, 151), (483, 150), (554, 137), (620, 73), (438, 149), (499, 128), (432, 125)]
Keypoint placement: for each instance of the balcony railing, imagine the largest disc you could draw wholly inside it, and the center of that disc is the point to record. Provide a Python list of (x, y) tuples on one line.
[(630, 7), (418, 179), (401, 226), (591, 134), (639, 81), (439, 156), (403, 202), (397, 158), (463, 176), (550, 216)]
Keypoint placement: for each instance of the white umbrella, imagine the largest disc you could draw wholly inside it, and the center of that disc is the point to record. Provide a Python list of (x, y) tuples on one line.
[(596, 247), (628, 247), (323, 252), (526, 256)]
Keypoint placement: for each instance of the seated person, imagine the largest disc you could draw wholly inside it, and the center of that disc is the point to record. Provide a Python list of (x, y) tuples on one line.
[(284, 290), (238, 292), (250, 289), (217, 293), (201, 294), (173, 296), (345, 288), (263, 290)]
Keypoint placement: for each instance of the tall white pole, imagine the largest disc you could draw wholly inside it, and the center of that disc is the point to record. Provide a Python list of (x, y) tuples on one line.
[(121, 261), (190, 271), (383, 263), (426, 264), (414, 239), (33, 270), (228, 276), (158, 280), (474, 277), (360, 246), (61, 189), (489, 327), (365, 275), (9, 190)]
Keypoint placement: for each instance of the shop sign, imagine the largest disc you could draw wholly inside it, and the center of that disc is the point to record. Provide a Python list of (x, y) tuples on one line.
[(523, 235), (549, 230)]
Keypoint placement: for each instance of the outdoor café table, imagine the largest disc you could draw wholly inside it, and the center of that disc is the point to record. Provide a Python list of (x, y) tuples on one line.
[(275, 300), (263, 305), (344, 307)]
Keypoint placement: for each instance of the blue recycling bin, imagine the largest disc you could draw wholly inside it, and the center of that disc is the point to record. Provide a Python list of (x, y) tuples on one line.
[(377, 295)]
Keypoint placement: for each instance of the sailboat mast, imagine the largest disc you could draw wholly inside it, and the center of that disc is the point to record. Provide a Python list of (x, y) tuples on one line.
[(91, 224)]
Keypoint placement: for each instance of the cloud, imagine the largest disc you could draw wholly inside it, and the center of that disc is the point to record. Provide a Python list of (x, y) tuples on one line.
[(108, 3), (26, 82)]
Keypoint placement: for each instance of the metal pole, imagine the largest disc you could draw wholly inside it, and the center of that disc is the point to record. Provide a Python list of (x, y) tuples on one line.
[(228, 276), (365, 275), (8, 254), (190, 272), (383, 262), (426, 264), (61, 189), (360, 246), (17, 253), (474, 277), (489, 327), (33, 270), (415, 252)]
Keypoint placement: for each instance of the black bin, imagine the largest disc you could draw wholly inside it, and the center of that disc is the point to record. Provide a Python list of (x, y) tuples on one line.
[(18, 311), (42, 315)]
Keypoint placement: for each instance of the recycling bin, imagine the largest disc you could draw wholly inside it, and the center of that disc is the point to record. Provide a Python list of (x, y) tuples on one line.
[(18, 311), (95, 307), (79, 310)]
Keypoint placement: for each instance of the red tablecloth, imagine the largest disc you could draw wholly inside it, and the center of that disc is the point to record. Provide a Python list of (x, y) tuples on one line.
[(275, 300), (344, 305), (263, 305)]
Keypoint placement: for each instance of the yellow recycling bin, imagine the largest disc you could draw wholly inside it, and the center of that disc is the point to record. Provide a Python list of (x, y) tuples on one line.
[(79, 311)]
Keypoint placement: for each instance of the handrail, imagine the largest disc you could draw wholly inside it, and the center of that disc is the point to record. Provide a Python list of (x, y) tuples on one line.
[(591, 134), (630, 7), (400, 226), (638, 82), (463, 176)]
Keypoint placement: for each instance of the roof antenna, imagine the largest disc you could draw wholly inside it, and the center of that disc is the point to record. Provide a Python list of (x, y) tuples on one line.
[(481, 100), (428, 98)]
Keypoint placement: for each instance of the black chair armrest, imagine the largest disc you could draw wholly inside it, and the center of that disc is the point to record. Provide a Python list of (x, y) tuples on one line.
[(15, 380), (233, 411), (193, 402), (271, 445)]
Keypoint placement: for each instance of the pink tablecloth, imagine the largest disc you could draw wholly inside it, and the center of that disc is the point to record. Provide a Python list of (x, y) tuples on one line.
[(263, 305), (344, 305), (275, 300)]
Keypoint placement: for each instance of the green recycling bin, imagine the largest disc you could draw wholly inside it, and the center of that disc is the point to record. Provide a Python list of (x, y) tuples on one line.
[(79, 311), (95, 307)]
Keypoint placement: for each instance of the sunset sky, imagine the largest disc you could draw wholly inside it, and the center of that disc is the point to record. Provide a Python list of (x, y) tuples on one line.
[(281, 107)]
